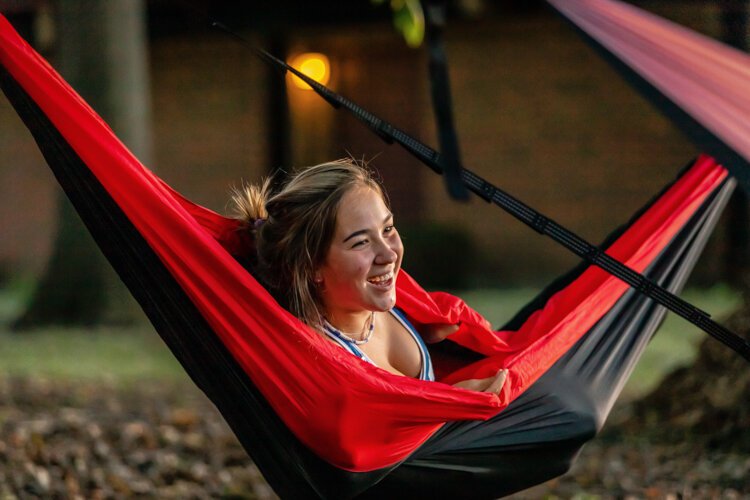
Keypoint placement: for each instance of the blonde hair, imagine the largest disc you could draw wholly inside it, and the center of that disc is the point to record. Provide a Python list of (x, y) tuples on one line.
[(293, 226)]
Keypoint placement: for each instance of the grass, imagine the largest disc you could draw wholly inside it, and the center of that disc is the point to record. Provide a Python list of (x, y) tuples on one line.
[(121, 355), (133, 354)]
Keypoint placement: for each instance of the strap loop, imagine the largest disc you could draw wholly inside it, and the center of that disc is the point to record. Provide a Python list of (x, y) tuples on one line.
[(594, 255), (486, 191), (646, 287), (540, 223)]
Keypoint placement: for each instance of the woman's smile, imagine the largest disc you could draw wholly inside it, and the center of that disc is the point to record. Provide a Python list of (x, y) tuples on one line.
[(383, 281)]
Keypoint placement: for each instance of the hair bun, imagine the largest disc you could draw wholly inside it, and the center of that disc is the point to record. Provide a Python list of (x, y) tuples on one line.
[(249, 203)]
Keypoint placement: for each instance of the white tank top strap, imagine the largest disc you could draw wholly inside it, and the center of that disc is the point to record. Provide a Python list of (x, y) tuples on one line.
[(349, 346), (426, 371)]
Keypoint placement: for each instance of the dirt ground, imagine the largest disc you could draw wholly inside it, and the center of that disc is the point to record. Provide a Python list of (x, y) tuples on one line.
[(91, 440)]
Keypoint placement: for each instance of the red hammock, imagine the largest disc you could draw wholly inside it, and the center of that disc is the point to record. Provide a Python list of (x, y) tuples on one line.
[(354, 415)]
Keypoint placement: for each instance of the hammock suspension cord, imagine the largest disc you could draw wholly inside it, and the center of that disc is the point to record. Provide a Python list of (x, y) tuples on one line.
[(532, 218), (435, 14)]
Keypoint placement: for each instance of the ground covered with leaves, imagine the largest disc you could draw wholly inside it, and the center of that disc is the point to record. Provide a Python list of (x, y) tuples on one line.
[(91, 440), (96, 440)]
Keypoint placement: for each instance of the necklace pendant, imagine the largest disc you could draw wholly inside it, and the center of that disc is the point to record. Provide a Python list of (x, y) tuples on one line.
[(365, 335)]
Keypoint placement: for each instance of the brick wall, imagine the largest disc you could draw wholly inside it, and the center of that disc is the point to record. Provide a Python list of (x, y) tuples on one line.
[(208, 111), (544, 118), (537, 113)]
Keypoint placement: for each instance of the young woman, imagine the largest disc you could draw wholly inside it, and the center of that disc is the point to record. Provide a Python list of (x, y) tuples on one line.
[(328, 248)]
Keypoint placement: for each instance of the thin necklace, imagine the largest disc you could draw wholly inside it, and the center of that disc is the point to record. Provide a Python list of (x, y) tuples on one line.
[(348, 337)]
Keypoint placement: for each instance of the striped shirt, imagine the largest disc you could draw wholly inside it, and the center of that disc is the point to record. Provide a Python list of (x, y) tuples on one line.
[(425, 372)]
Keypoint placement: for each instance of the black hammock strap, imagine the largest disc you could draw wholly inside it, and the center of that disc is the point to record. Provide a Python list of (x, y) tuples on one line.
[(435, 14), (532, 218)]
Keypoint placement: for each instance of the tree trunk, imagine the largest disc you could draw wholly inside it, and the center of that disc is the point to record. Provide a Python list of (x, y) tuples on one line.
[(103, 54)]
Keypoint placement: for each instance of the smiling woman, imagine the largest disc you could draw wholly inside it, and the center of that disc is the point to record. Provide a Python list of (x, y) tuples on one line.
[(327, 247)]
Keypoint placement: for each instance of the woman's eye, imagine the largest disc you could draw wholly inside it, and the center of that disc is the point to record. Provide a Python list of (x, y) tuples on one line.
[(389, 229), (359, 243)]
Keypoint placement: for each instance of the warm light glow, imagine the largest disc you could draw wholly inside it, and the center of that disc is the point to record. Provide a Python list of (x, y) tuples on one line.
[(314, 65)]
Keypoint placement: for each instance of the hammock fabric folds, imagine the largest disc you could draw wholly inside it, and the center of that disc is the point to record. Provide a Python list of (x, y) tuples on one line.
[(318, 422), (701, 84)]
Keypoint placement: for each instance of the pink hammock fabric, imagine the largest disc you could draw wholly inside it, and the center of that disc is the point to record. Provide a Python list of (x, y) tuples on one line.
[(706, 79), (352, 414)]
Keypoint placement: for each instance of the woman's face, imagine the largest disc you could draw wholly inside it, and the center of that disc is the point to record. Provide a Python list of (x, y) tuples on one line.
[(359, 273)]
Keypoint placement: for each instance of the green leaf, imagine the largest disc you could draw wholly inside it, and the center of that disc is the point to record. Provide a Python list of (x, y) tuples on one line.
[(408, 18)]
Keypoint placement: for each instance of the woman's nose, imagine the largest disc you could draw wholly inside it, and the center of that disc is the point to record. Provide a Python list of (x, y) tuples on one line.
[(386, 253)]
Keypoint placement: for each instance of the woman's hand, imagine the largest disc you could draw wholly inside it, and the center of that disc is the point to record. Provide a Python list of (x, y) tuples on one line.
[(437, 332), (491, 384)]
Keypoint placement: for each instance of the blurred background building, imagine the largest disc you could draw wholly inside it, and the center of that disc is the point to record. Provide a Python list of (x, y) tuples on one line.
[(537, 112)]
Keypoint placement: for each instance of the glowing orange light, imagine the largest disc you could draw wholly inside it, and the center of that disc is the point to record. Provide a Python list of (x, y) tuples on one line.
[(314, 65)]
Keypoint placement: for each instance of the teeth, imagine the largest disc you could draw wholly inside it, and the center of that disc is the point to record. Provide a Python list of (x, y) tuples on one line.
[(381, 278)]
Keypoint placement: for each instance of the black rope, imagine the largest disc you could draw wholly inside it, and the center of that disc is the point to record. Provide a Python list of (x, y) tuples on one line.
[(435, 13), (537, 221)]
